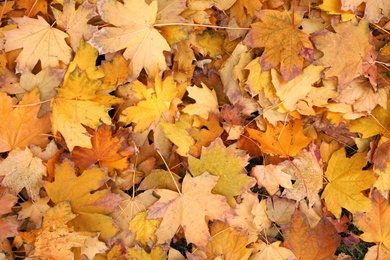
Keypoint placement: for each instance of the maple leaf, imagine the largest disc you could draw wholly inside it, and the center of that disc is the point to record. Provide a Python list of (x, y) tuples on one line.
[(226, 243), (134, 31), (90, 207), (346, 181), (108, 150), (342, 53), (376, 123), (32, 7), (374, 10), (227, 163), (55, 239), (319, 242), (280, 210), (178, 135), (144, 228), (140, 253), (295, 93), (334, 7), (360, 94), (20, 127), (22, 170), (263, 251), (79, 102), (285, 140), (251, 216), (155, 104), (7, 200), (46, 81), (306, 170), (271, 176), (189, 209), (34, 211), (374, 222), (39, 41), (284, 43), (206, 102), (8, 227), (75, 22), (160, 179), (205, 133)]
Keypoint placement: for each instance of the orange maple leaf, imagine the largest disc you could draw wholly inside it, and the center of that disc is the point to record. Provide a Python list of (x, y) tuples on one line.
[(319, 242), (108, 150), (20, 127), (284, 140)]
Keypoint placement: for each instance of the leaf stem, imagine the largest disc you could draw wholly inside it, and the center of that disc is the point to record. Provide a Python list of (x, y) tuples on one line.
[(33, 104)]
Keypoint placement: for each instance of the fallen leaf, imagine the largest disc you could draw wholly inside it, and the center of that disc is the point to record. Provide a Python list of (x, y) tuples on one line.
[(284, 43), (92, 208), (34, 210), (284, 140), (226, 243), (319, 242), (144, 228), (342, 54), (271, 176), (206, 102), (226, 162), (40, 42), (7, 201), (346, 182), (79, 103), (108, 150), (263, 251), (22, 170), (189, 209), (373, 10), (21, 127), (133, 31), (154, 104), (74, 21), (373, 222)]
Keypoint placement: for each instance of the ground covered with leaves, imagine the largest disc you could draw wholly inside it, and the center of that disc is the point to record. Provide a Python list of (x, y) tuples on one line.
[(198, 129)]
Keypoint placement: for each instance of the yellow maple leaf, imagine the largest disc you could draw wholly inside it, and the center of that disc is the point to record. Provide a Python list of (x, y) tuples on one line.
[(226, 162), (334, 7), (294, 93), (79, 102), (40, 41), (374, 223), (189, 209), (206, 102), (22, 170), (90, 203), (157, 104), (134, 30), (144, 228), (20, 127), (346, 181), (178, 135), (226, 243), (285, 140), (284, 43)]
